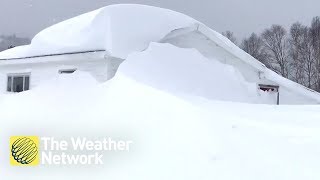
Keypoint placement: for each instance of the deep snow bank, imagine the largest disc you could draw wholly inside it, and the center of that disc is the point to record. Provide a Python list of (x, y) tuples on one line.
[(173, 138), (186, 72), (109, 110)]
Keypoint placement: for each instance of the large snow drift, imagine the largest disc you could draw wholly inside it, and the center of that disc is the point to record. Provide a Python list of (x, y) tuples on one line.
[(161, 99), (118, 29), (186, 72), (174, 138)]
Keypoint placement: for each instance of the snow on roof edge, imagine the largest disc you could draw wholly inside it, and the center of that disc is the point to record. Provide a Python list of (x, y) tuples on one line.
[(233, 49), (229, 46), (291, 85), (222, 41), (244, 56)]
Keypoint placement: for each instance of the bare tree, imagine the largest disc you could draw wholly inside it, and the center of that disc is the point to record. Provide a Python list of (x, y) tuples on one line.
[(275, 41), (254, 46), (301, 52), (315, 36), (296, 56), (12, 41), (230, 36)]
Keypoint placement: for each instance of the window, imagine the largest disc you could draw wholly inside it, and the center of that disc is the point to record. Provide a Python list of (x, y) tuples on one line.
[(18, 82), (271, 89), (67, 71)]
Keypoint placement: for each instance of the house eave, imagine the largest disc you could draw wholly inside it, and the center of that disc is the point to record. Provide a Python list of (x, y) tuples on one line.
[(50, 55)]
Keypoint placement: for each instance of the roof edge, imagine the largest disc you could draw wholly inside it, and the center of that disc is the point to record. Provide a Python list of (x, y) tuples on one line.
[(56, 54)]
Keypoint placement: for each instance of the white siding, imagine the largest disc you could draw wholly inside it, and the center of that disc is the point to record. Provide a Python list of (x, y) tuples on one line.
[(42, 69)]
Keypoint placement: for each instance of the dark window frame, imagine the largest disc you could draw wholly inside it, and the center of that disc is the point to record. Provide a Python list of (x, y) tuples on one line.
[(67, 71), (271, 88), (13, 77)]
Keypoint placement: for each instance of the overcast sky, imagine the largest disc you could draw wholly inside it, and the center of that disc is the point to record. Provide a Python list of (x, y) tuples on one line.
[(27, 17)]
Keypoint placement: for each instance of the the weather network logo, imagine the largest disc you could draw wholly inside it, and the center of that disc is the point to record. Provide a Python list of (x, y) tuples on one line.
[(24, 151)]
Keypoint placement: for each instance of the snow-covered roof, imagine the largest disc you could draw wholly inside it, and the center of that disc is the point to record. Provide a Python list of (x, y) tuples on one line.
[(221, 41), (268, 76), (118, 29), (122, 29), (16, 52)]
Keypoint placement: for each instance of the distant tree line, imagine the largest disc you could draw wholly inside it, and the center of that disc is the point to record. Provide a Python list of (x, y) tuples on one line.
[(293, 53), (7, 42)]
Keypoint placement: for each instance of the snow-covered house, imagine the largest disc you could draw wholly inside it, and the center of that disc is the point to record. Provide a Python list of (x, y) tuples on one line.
[(99, 41)]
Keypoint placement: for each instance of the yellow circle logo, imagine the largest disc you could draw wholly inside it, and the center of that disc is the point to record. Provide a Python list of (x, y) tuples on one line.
[(24, 150)]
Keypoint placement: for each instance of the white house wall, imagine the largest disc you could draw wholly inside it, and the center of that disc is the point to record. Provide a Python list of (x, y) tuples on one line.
[(45, 69)]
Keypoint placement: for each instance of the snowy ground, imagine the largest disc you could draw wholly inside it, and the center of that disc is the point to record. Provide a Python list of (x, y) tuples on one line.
[(178, 133), (174, 138)]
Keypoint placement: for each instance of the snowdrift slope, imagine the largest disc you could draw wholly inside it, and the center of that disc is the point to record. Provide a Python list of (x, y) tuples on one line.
[(174, 137), (186, 72)]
